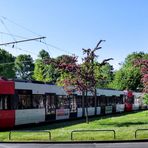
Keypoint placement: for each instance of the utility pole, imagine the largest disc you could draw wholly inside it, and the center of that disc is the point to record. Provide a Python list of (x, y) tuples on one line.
[(20, 41)]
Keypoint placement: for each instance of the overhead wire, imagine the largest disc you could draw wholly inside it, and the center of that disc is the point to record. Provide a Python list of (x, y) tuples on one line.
[(10, 34), (16, 47), (47, 48), (13, 35), (7, 29), (9, 20), (9, 63), (43, 42), (55, 47)]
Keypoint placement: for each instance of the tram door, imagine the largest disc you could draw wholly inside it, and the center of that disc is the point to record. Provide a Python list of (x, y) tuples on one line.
[(102, 100), (50, 107), (73, 106), (129, 100)]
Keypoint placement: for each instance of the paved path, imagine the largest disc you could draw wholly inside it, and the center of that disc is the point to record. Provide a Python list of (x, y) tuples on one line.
[(87, 145)]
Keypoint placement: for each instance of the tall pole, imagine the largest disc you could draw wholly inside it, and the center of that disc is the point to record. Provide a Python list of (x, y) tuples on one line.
[(92, 62)]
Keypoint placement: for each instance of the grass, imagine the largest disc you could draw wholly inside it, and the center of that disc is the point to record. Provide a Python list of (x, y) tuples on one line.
[(124, 125)]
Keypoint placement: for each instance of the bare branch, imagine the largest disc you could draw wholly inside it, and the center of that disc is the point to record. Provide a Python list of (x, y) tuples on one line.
[(105, 61), (97, 47)]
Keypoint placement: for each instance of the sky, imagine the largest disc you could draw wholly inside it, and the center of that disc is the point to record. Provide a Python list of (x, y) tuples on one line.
[(70, 25)]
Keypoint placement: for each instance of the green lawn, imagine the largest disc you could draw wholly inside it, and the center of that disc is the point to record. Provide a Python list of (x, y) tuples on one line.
[(124, 125)]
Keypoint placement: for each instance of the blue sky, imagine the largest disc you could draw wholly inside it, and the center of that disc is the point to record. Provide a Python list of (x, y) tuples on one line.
[(75, 24)]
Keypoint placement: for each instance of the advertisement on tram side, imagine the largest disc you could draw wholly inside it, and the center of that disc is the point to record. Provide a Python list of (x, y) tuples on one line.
[(62, 114)]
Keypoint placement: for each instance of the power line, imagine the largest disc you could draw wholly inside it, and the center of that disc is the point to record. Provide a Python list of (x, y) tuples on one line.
[(55, 47), (7, 29), (13, 35), (16, 47), (9, 20), (47, 44), (47, 47), (43, 42)]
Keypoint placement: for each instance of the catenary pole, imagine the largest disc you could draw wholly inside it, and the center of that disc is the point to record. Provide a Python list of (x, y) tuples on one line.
[(20, 41)]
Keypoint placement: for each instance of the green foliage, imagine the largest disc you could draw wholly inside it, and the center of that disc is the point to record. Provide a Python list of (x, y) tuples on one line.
[(63, 76), (44, 72), (43, 54), (145, 99), (129, 76), (6, 64), (24, 66), (126, 78), (104, 75), (38, 68)]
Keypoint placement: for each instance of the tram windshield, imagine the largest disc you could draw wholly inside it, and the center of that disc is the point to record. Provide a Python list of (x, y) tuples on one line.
[(5, 102)]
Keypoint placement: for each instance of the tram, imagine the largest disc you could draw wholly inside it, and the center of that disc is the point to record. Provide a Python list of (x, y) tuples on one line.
[(27, 102)]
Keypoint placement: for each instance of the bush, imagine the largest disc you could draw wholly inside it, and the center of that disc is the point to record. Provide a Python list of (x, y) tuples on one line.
[(145, 98)]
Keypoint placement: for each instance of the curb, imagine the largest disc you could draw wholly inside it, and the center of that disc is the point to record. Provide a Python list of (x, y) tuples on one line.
[(77, 142)]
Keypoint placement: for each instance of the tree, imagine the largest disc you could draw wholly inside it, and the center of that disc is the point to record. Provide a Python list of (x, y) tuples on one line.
[(82, 77), (6, 64), (104, 75), (144, 72), (62, 73), (43, 54), (24, 67), (126, 78), (42, 71), (129, 76)]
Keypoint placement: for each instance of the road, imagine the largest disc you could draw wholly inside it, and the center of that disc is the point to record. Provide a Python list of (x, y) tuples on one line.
[(76, 145)]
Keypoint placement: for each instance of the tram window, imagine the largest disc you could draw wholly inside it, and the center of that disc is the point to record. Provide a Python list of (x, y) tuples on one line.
[(14, 101), (102, 100), (89, 102), (50, 104), (98, 101), (110, 100), (113, 100), (62, 102), (73, 106), (79, 101), (38, 101), (119, 100), (24, 101)]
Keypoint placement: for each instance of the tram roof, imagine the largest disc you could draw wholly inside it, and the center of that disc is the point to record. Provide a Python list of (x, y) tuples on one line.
[(38, 88), (105, 92)]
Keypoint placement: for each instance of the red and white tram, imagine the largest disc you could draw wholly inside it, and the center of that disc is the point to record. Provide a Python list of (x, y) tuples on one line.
[(24, 102)]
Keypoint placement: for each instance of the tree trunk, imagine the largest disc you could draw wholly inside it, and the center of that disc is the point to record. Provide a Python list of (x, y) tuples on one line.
[(86, 115), (83, 101), (95, 101)]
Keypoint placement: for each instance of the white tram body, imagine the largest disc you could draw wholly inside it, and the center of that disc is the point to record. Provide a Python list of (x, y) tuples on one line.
[(24, 102)]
